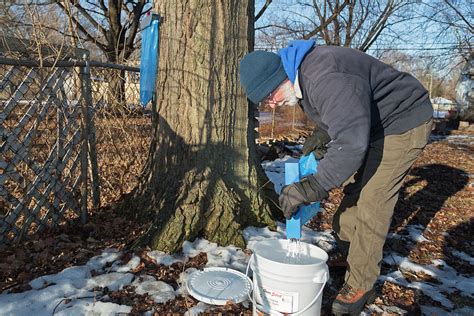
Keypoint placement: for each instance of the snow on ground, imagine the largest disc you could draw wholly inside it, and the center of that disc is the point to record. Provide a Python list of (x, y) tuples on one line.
[(447, 279), (463, 139), (71, 291), (464, 256), (275, 171), (264, 117)]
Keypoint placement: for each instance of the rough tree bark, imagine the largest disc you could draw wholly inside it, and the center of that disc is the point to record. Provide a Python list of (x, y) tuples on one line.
[(203, 176)]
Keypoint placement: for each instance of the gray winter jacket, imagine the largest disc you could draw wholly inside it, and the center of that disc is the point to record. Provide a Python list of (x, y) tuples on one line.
[(357, 99)]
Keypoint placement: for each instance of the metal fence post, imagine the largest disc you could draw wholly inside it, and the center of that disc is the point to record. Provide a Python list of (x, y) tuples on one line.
[(91, 142), (85, 73)]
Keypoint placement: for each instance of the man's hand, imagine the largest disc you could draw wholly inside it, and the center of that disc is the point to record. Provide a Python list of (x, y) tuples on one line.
[(304, 192), (290, 198), (316, 143)]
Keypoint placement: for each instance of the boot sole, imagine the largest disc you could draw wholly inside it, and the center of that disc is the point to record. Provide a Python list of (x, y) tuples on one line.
[(340, 311)]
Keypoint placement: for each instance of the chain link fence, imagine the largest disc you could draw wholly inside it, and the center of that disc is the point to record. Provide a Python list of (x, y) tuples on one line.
[(72, 136), (122, 129)]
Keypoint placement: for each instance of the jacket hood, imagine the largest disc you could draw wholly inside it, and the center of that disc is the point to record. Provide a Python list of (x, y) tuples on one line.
[(293, 55)]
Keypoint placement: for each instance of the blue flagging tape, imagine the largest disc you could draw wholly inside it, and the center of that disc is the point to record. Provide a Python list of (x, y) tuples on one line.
[(293, 173)]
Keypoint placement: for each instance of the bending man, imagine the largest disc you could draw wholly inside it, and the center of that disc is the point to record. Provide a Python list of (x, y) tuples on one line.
[(378, 121)]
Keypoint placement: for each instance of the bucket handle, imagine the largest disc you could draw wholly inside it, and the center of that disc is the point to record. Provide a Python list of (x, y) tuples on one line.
[(326, 277)]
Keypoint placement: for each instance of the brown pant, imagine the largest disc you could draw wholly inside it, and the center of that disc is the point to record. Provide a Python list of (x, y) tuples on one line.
[(363, 218)]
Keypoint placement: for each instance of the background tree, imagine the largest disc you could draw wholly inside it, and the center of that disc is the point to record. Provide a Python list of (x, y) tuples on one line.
[(202, 177), (108, 28), (449, 22), (440, 46), (351, 23), (422, 67), (111, 26)]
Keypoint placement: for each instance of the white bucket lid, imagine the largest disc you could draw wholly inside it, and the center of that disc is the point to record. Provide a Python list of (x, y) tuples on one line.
[(218, 286)]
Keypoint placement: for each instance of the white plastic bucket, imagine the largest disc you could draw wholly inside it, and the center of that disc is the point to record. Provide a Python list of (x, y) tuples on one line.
[(289, 287)]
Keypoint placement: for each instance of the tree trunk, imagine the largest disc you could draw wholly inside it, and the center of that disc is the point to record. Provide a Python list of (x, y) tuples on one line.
[(116, 99), (203, 176), (116, 90)]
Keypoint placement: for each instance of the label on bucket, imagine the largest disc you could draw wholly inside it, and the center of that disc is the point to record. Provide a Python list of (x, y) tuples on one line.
[(281, 301)]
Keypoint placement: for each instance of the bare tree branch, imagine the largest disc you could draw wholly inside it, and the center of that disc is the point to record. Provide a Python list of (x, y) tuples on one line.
[(460, 15), (114, 16), (103, 6), (89, 17), (262, 10), (378, 26), (322, 20), (135, 24), (348, 39), (88, 35), (325, 23), (287, 28)]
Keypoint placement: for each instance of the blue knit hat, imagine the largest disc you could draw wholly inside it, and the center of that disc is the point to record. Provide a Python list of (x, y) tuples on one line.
[(261, 72)]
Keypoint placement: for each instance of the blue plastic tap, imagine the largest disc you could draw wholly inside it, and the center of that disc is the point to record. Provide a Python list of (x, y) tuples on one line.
[(294, 171)]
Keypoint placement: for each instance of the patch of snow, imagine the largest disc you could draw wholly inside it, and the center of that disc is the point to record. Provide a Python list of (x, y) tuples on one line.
[(405, 264), (383, 310), (90, 307), (464, 256), (38, 302), (448, 277), (73, 284), (415, 233), (98, 262), (275, 171), (394, 310), (434, 311), (372, 308), (74, 275), (162, 258), (441, 100), (114, 281), (324, 240), (264, 117), (143, 278), (217, 256), (395, 277), (159, 291), (252, 234), (197, 310), (130, 265), (454, 139), (433, 292), (296, 148)]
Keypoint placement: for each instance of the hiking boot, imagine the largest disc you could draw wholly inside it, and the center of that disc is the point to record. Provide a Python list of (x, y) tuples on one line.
[(337, 259), (351, 301)]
